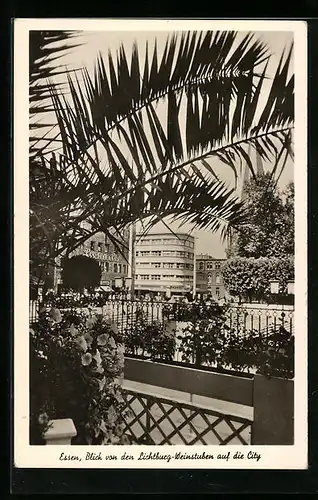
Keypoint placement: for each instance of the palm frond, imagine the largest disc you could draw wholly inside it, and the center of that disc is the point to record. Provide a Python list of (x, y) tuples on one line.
[(45, 48), (216, 124), (139, 143)]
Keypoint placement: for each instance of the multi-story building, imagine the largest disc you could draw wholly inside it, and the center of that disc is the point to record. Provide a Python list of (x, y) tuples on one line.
[(114, 265), (208, 276), (164, 263)]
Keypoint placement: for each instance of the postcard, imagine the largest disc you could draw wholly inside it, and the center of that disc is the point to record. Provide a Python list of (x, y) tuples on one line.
[(160, 237)]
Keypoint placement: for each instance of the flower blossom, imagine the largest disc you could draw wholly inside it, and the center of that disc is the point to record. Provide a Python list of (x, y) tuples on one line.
[(86, 359), (90, 322), (73, 330), (56, 315), (81, 342), (89, 339), (102, 339), (97, 357)]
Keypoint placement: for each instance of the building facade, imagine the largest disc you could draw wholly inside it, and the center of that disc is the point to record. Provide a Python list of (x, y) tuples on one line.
[(209, 277), (113, 264), (164, 263)]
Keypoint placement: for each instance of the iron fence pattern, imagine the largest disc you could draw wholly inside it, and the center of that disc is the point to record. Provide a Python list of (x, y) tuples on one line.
[(132, 316), (154, 420), (125, 313)]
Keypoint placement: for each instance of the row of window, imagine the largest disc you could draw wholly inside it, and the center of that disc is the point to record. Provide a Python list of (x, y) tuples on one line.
[(113, 267), (158, 277), (164, 253), (166, 241), (98, 246), (209, 265), (165, 265)]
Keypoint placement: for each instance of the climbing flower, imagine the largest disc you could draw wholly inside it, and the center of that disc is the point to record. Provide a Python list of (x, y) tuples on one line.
[(119, 429), (90, 322), (112, 343), (102, 339), (56, 315), (114, 328), (99, 369), (86, 359), (89, 339), (73, 330), (102, 383), (43, 418), (125, 439), (97, 357), (81, 342)]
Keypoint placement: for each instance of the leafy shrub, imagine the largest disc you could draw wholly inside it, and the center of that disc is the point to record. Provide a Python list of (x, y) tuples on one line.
[(194, 311), (270, 356), (81, 272), (249, 278), (150, 340), (202, 338), (76, 371)]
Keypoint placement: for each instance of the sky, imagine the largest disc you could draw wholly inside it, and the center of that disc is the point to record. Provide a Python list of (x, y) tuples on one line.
[(86, 54)]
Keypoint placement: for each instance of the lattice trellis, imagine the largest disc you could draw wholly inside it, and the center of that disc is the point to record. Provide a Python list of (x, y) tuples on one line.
[(158, 421)]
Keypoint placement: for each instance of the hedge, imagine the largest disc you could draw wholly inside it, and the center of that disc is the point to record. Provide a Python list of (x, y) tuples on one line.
[(249, 278)]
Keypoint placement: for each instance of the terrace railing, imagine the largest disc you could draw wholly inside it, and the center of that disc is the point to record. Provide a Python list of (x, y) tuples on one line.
[(141, 321)]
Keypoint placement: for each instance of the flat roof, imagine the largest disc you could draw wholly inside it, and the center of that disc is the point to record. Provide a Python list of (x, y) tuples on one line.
[(165, 234)]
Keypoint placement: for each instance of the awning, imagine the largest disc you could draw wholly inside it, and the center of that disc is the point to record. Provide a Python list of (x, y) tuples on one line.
[(104, 288)]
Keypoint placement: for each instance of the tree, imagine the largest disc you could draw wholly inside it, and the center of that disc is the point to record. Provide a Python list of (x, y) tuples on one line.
[(122, 160), (269, 227), (81, 272)]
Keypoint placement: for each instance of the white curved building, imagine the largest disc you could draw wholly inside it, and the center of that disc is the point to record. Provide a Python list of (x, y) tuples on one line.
[(164, 262)]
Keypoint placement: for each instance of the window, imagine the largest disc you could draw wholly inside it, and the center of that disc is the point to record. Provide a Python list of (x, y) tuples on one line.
[(180, 254), (168, 276), (201, 266), (217, 279), (124, 268), (115, 268), (156, 264), (142, 264), (168, 265), (217, 292), (217, 265), (144, 276), (137, 254), (136, 276), (92, 245), (106, 266), (210, 265), (156, 253), (168, 253), (100, 246), (155, 277), (180, 265), (119, 268), (144, 253)]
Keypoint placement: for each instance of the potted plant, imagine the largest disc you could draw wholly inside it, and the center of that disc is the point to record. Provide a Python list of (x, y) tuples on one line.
[(76, 371)]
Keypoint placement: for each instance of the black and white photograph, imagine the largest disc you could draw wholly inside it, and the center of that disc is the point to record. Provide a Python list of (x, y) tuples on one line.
[(160, 244)]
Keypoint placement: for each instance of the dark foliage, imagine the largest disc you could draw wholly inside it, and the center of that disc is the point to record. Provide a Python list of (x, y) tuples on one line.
[(81, 272)]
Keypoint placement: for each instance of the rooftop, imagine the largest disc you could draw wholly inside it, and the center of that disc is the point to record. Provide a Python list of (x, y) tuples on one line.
[(205, 256)]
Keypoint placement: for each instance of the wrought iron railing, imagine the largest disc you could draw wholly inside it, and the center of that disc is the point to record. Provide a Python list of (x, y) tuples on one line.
[(156, 330), (126, 312), (154, 420)]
